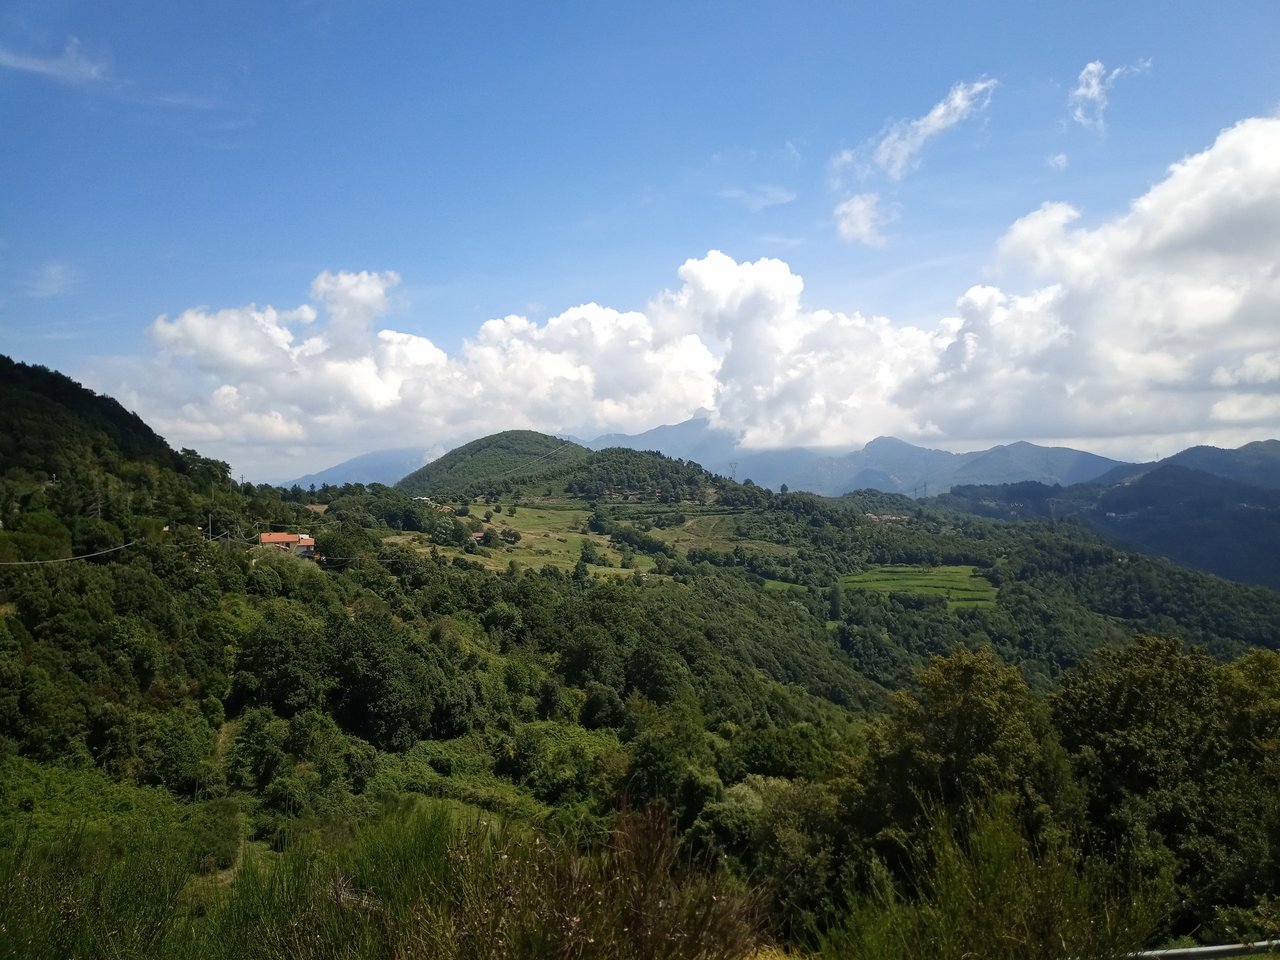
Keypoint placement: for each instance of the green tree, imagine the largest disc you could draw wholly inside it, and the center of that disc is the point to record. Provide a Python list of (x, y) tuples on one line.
[(973, 729), (1147, 729), (285, 661)]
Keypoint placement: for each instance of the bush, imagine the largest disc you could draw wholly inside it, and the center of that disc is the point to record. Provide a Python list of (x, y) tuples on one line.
[(982, 888)]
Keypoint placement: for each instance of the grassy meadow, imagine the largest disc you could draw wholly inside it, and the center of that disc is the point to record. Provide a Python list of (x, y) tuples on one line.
[(714, 529), (960, 585), (552, 534)]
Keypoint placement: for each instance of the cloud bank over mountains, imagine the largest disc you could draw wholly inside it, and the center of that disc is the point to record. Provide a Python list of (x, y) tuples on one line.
[(1149, 331)]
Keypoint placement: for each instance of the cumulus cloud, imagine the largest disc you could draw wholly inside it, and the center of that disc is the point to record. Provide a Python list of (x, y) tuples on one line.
[(353, 300), (1147, 331), (900, 148), (71, 66), (241, 338), (1057, 161), (1145, 318), (860, 218), (1087, 103)]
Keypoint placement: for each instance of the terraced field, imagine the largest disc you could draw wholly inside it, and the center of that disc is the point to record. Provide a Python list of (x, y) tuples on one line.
[(550, 535), (961, 585), (711, 528)]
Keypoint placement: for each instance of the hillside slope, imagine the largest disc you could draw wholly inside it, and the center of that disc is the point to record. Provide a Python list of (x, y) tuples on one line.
[(634, 629), (523, 453), (49, 424), (1203, 520)]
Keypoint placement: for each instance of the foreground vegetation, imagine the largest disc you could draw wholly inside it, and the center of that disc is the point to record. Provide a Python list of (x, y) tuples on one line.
[(431, 881), (427, 882), (294, 757)]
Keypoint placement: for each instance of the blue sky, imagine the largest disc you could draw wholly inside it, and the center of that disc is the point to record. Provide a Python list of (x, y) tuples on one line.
[(288, 233)]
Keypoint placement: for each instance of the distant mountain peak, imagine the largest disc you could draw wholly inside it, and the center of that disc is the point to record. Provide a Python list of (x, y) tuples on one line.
[(889, 443)]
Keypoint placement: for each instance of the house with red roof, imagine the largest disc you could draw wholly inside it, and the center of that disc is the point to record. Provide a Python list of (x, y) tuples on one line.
[(298, 544)]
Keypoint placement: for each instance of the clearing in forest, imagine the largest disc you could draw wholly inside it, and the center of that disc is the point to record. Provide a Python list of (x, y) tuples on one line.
[(960, 585)]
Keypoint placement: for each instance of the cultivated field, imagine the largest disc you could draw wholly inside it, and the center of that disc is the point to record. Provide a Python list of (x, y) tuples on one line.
[(550, 535), (961, 585)]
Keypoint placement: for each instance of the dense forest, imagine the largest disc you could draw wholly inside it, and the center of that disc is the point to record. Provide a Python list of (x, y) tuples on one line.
[(553, 702), (1213, 510)]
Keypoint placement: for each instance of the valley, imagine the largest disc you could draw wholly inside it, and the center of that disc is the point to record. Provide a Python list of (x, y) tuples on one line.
[(529, 657)]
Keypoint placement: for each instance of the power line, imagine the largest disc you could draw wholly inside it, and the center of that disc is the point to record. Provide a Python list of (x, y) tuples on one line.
[(86, 556)]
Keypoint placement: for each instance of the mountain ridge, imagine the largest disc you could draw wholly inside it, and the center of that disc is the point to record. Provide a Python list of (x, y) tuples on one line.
[(377, 466), (885, 463), (1224, 521)]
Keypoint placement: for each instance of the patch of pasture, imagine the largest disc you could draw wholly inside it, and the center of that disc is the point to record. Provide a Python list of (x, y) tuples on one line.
[(960, 585)]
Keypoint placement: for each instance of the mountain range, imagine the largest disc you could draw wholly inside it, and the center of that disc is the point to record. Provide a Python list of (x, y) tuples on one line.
[(380, 466), (1211, 509), (886, 463), (1207, 508)]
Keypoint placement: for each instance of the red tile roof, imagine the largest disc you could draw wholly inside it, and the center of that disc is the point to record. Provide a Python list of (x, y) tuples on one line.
[(287, 539)]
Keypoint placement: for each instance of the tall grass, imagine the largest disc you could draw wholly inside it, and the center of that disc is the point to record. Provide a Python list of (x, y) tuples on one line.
[(441, 882), (428, 883), (90, 895), (982, 888)]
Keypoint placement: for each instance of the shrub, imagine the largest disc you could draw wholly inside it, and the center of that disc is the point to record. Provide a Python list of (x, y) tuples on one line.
[(982, 888)]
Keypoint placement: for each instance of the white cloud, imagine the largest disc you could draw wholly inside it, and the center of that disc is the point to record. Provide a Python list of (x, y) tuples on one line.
[(1257, 368), (898, 151), (1248, 409), (759, 197), (1057, 161), (71, 66), (860, 218), (842, 162), (1152, 330), (1087, 103), (243, 338), (353, 300), (1162, 307), (96, 75)]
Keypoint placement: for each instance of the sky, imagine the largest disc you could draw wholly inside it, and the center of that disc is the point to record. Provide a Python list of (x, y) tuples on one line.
[(290, 233)]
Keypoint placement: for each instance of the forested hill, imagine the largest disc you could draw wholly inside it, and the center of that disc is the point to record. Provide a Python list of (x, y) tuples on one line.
[(1255, 464), (80, 474), (523, 462), (800, 686), (1203, 518), (50, 424), (523, 453)]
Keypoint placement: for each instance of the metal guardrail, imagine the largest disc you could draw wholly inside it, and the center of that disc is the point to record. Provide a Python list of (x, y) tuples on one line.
[(1206, 953)]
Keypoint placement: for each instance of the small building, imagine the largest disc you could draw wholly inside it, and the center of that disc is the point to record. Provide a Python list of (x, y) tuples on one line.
[(299, 544)]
